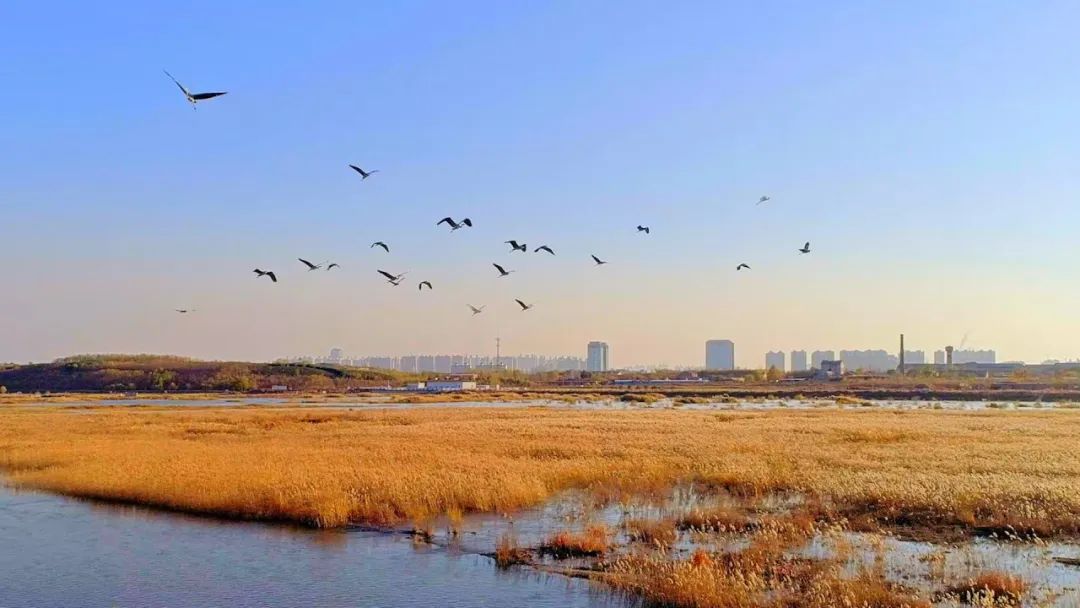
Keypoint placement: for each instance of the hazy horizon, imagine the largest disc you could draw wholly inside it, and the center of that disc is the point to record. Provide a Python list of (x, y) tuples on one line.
[(928, 151)]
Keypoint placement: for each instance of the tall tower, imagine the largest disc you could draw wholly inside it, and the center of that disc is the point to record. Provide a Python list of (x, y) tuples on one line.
[(948, 356), (901, 354)]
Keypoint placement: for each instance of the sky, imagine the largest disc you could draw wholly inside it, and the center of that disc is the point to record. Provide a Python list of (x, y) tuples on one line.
[(928, 150)]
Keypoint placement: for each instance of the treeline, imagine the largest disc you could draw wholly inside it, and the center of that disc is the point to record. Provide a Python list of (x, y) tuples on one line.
[(167, 373)]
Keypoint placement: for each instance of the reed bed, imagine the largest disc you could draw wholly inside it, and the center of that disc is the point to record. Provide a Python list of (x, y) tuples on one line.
[(973, 471)]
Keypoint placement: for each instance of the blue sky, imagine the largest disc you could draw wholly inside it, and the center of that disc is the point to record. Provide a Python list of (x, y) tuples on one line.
[(928, 150)]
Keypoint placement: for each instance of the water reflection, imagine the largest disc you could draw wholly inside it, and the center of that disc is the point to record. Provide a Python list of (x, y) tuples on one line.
[(61, 552)]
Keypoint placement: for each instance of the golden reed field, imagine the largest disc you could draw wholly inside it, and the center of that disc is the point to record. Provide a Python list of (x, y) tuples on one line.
[(929, 474), (918, 469)]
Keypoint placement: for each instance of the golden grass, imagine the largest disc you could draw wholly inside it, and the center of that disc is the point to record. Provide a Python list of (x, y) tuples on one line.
[(985, 470), (508, 553), (719, 518), (763, 575), (593, 541), (992, 589), (660, 532)]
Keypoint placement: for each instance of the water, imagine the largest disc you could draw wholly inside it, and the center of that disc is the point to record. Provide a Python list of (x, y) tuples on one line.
[(62, 552), (749, 404)]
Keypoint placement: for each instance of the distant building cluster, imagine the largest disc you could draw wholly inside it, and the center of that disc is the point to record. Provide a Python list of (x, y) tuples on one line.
[(873, 360), (447, 364)]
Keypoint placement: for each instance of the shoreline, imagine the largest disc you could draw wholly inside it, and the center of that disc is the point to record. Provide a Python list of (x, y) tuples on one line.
[(513, 394)]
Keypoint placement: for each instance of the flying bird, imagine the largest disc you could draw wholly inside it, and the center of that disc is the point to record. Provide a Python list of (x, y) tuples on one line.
[(523, 305), (266, 273), (333, 265), (515, 247), (422, 283), (543, 248), (762, 200), (598, 261), (644, 229), (393, 279), (184, 311), (741, 266), (475, 310), (193, 97), (380, 244), (309, 265), (805, 248), (364, 174), (455, 225), (502, 271)]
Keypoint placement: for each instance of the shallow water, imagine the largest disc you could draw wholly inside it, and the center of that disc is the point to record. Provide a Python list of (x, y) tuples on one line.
[(746, 404), (62, 552)]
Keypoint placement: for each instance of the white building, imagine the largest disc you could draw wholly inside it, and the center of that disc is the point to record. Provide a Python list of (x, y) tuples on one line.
[(597, 357), (451, 385), (720, 354), (798, 361), (775, 359)]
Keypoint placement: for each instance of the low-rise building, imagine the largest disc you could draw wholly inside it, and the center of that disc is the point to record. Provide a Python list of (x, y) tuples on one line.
[(831, 370), (451, 385)]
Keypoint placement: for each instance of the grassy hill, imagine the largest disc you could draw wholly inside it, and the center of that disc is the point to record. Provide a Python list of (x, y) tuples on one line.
[(160, 373)]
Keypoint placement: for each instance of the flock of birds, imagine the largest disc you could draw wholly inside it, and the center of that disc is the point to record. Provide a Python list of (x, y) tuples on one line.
[(454, 225)]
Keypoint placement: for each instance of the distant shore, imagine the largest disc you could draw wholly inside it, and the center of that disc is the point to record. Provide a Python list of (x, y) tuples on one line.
[(637, 393)]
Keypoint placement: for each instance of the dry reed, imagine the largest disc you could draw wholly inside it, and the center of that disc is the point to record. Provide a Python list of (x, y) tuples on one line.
[(969, 470)]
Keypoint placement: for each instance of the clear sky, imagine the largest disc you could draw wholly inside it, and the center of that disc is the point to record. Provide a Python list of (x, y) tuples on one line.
[(929, 150)]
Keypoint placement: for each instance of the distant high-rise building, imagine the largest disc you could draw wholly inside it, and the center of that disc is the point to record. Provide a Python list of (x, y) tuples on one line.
[(407, 364), (869, 360), (974, 356), (774, 359), (382, 362), (443, 363), (818, 356), (798, 361), (597, 357), (425, 363), (336, 355), (914, 357), (939, 357), (720, 354)]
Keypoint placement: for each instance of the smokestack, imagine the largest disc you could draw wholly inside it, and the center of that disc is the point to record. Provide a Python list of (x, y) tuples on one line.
[(948, 356), (901, 354)]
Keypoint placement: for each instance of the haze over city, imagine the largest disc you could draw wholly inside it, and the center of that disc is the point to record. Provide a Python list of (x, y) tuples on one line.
[(929, 152)]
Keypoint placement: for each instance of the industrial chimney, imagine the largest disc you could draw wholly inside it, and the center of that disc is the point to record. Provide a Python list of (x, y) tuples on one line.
[(901, 354)]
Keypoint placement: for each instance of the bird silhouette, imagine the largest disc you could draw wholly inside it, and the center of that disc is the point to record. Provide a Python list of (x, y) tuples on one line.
[(515, 247), (266, 273), (333, 265), (193, 98), (741, 266), (762, 200), (393, 279), (644, 229), (309, 265), (523, 305), (475, 310), (455, 225), (184, 311), (380, 244), (543, 248), (805, 248), (422, 283), (598, 261), (364, 174), (502, 271)]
